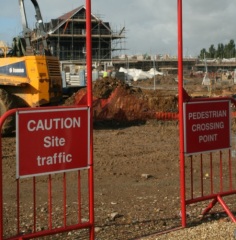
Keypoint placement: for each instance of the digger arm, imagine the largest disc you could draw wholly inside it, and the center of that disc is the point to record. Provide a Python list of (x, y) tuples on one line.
[(26, 30), (40, 23)]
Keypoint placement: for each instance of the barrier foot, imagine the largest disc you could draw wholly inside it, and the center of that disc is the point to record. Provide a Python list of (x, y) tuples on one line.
[(225, 207), (210, 206)]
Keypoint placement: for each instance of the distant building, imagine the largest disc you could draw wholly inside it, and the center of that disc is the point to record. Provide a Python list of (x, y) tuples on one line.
[(67, 36)]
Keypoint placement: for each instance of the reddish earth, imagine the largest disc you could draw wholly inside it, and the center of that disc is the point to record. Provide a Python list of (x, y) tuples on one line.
[(136, 168), (113, 100)]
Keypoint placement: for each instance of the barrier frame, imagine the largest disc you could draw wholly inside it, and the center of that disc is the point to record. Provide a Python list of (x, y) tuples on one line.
[(50, 231), (216, 197), (183, 97), (90, 223)]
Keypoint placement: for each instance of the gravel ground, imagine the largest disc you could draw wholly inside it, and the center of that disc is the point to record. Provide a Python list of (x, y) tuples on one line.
[(136, 189), (213, 230)]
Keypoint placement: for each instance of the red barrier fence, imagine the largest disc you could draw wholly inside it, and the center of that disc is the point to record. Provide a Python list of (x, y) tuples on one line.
[(26, 213), (209, 176), (27, 198)]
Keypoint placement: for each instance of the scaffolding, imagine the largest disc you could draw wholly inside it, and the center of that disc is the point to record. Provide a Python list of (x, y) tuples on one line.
[(67, 36)]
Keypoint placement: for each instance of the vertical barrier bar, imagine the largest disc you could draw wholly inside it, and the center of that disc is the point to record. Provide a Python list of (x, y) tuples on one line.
[(79, 197), (90, 105), (18, 205), (230, 171), (34, 202), (64, 199), (201, 175), (1, 185), (221, 172), (180, 102), (211, 174), (50, 202), (191, 172)]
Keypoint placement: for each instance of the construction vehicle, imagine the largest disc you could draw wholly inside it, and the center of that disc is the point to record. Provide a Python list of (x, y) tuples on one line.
[(29, 77)]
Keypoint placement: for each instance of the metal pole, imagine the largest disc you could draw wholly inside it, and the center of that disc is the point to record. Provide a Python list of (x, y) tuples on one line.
[(181, 127), (90, 105), (154, 70)]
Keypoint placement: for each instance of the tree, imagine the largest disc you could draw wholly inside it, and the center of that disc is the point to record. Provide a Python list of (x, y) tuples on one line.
[(230, 49), (223, 51), (203, 53), (220, 50), (212, 52)]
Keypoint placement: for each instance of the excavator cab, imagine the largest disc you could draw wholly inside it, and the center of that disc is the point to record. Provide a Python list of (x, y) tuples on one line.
[(29, 78)]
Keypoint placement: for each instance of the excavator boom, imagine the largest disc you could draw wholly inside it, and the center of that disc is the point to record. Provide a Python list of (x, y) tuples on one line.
[(27, 32)]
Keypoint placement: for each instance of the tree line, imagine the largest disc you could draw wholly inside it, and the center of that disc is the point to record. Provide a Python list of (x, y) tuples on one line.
[(222, 51)]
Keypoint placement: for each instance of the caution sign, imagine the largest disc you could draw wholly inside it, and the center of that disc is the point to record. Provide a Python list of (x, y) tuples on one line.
[(206, 126), (52, 140)]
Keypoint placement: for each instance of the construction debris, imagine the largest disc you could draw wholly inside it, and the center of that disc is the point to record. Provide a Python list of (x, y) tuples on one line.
[(115, 100)]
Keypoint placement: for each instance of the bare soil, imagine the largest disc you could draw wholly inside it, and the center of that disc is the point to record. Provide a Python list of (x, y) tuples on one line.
[(136, 173)]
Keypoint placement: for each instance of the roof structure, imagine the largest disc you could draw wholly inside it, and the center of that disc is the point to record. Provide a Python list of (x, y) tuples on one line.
[(66, 36), (57, 23)]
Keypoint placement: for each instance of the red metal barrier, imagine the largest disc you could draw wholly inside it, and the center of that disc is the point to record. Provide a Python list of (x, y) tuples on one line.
[(196, 171), (31, 215), (209, 176)]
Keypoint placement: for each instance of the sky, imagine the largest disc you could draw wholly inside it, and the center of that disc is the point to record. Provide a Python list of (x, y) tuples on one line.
[(151, 25)]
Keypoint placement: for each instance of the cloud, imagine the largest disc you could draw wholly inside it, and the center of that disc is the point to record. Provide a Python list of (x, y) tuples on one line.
[(151, 25)]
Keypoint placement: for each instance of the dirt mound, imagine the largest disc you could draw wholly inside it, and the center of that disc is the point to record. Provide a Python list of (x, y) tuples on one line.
[(103, 88), (115, 100)]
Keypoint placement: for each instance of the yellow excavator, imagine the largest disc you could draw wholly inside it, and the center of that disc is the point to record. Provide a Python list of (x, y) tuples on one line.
[(29, 77)]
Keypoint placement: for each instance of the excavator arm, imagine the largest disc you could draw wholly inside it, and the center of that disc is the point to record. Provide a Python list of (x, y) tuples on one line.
[(26, 30), (41, 33)]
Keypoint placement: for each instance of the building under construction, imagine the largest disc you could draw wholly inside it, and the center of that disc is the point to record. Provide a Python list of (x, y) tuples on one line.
[(67, 36)]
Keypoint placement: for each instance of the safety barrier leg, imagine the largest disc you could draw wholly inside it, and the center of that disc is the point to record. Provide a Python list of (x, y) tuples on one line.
[(210, 206), (225, 207)]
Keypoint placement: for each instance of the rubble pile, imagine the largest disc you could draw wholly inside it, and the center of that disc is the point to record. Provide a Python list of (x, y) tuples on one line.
[(115, 100)]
